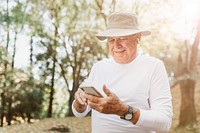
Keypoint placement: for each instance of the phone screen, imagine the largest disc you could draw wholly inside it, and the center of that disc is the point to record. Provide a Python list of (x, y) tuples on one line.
[(91, 90)]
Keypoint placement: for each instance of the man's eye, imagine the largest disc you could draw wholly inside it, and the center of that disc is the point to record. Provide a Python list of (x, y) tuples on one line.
[(111, 40), (123, 39)]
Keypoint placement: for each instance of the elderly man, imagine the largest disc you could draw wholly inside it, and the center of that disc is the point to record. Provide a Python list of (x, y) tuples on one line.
[(135, 87)]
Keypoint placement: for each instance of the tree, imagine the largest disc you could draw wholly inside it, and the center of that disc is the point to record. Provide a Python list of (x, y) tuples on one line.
[(187, 68), (7, 20), (81, 48), (12, 21), (30, 98)]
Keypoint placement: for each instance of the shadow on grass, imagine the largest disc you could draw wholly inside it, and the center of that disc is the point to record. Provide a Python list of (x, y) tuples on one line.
[(59, 128)]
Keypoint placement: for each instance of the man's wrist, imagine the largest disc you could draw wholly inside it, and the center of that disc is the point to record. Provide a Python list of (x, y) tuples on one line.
[(128, 114), (136, 113), (123, 110), (79, 107)]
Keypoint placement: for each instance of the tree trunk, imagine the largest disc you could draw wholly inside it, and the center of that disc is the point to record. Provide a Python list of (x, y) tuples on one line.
[(187, 86), (2, 107), (3, 103), (76, 78), (188, 113), (29, 118), (54, 14), (14, 50), (71, 98), (9, 113), (31, 56), (53, 48), (8, 35), (52, 88)]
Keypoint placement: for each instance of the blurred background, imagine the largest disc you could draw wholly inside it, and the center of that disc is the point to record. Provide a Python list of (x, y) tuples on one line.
[(47, 48)]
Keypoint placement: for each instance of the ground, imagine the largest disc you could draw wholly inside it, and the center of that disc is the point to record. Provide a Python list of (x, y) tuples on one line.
[(83, 125), (52, 125)]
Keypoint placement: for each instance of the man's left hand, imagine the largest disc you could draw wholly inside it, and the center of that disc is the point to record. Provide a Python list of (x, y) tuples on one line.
[(110, 104)]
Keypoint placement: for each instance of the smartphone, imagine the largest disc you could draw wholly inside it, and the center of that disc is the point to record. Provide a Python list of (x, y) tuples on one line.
[(91, 90)]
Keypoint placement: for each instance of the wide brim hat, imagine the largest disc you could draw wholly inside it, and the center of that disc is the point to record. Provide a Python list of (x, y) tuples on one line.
[(121, 24)]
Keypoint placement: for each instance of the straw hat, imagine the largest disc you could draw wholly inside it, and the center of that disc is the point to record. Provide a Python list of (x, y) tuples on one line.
[(121, 24)]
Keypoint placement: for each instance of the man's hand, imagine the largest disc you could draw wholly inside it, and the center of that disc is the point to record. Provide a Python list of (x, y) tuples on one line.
[(110, 104), (80, 103)]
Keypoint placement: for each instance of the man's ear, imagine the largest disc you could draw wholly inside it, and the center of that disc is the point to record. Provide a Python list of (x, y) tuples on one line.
[(138, 40), (139, 37)]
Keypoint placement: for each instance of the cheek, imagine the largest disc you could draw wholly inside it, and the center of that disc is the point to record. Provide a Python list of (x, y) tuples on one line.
[(131, 48), (110, 48)]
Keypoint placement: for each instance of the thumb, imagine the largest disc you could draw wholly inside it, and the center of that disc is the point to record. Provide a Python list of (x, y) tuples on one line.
[(106, 90)]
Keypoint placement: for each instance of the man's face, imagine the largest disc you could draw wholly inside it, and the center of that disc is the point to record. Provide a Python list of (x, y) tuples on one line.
[(123, 49)]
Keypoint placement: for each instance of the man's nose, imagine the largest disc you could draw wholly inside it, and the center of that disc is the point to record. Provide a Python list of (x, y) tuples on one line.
[(117, 43)]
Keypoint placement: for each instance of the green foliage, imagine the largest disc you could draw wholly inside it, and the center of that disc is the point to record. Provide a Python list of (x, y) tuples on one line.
[(29, 100), (23, 95)]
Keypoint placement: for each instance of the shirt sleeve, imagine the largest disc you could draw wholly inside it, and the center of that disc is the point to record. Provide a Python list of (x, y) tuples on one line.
[(78, 114), (159, 116)]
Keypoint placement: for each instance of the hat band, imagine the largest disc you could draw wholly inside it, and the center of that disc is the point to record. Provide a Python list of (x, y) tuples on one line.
[(117, 26)]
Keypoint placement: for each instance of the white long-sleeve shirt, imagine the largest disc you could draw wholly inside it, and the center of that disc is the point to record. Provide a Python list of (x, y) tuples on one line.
[(142, 83)]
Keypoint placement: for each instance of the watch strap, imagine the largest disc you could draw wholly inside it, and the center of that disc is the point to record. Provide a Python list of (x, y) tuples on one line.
[(129, 112)]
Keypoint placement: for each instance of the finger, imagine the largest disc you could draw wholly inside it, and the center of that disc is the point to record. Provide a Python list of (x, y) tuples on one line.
[(106, 90), (81, 94), (78, 98), (81, 99), (91, 98)]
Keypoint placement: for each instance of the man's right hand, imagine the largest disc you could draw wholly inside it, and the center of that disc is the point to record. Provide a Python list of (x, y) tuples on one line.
[(80, 103)]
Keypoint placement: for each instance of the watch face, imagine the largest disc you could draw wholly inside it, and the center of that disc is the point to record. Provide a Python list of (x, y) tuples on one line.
[(128, 116)]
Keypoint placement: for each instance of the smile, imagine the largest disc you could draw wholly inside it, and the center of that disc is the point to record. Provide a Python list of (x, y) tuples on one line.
[(119, 51)]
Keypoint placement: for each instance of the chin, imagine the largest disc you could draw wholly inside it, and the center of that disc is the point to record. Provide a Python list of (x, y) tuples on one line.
[(121, 61)]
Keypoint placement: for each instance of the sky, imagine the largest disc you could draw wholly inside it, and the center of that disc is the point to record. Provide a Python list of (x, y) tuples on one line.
[(22, 52)]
